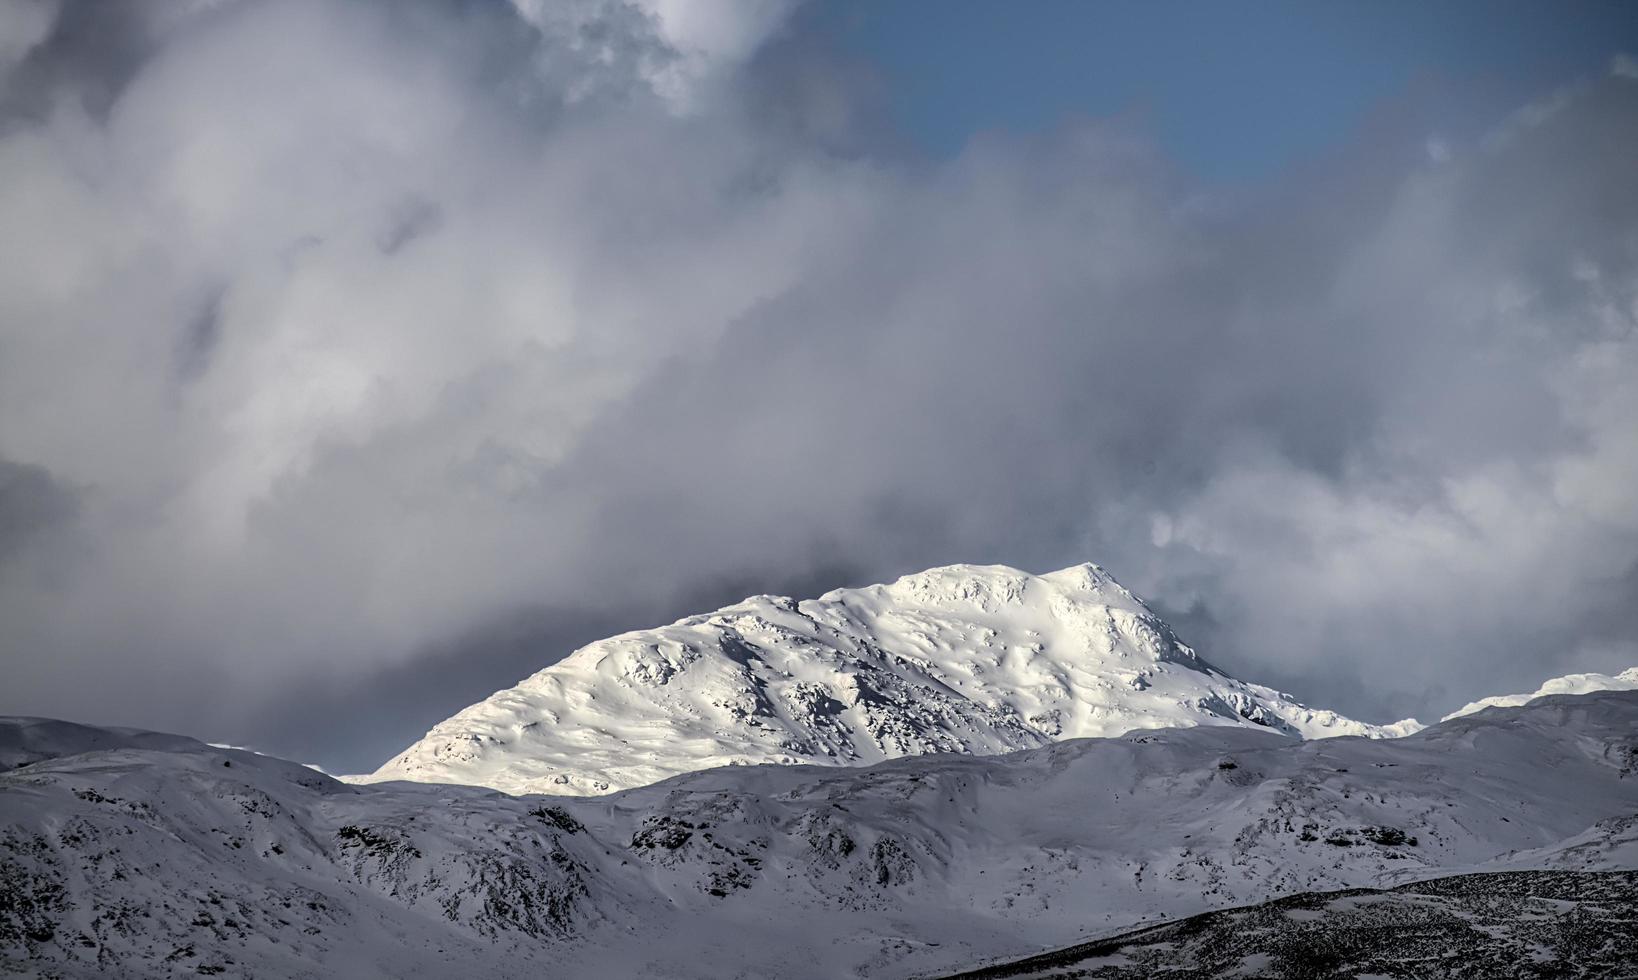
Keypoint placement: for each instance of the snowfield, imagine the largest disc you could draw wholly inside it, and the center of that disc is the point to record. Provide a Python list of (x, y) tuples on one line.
[(971, 659), (143, 855)]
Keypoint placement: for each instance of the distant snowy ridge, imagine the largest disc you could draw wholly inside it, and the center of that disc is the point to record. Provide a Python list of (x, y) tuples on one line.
[(1627, 680), (965, 659)]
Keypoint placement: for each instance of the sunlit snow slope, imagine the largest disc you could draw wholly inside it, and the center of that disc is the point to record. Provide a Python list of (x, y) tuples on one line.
[(1627, 680), (968, 659)]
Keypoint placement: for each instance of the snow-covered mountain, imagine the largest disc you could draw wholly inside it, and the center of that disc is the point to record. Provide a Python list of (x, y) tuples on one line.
[(970, 659), (139, 855), (1627, 680)]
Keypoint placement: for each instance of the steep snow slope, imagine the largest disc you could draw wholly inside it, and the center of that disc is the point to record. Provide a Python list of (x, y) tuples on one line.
[(1627, 680), (969, 659), (190, 858)]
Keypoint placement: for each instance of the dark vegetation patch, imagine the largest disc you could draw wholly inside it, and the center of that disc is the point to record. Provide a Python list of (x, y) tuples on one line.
[(1505, 926)]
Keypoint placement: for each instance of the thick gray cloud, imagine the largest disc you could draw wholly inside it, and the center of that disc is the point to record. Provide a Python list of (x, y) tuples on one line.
[(357, 359), (31, 504)]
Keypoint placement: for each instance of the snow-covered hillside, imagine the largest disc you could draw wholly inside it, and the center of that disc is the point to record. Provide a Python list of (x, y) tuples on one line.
[(966, 658), (28, 740), (152, 856), (1627, 680)]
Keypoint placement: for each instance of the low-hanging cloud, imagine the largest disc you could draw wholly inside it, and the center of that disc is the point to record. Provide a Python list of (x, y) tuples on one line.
[(333, 335)]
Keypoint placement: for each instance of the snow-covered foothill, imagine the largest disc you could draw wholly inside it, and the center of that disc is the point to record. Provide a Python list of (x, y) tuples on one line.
[(178, 857)]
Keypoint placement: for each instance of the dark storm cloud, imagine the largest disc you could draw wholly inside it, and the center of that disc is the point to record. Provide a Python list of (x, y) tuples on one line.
[(500, 332), (32, 504), (87, 51)]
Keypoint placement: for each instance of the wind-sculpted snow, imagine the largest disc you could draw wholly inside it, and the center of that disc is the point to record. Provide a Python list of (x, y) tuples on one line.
[(185, 858), (1626, 680), (969, 659)]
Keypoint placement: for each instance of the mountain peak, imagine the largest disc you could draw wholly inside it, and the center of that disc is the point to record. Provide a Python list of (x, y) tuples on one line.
[(975, 659)]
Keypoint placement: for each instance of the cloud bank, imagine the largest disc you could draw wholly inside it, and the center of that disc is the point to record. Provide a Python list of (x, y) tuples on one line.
[(350, 348)]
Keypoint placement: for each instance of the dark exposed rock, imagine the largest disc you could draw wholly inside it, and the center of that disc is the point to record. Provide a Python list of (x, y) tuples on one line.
[(558, 817)]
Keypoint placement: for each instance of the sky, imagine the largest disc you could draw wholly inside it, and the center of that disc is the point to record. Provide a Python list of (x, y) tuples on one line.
[(1230, 91), (358, 359)]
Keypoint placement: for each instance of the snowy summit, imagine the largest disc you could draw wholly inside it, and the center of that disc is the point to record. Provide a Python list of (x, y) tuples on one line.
[(965, 659)]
